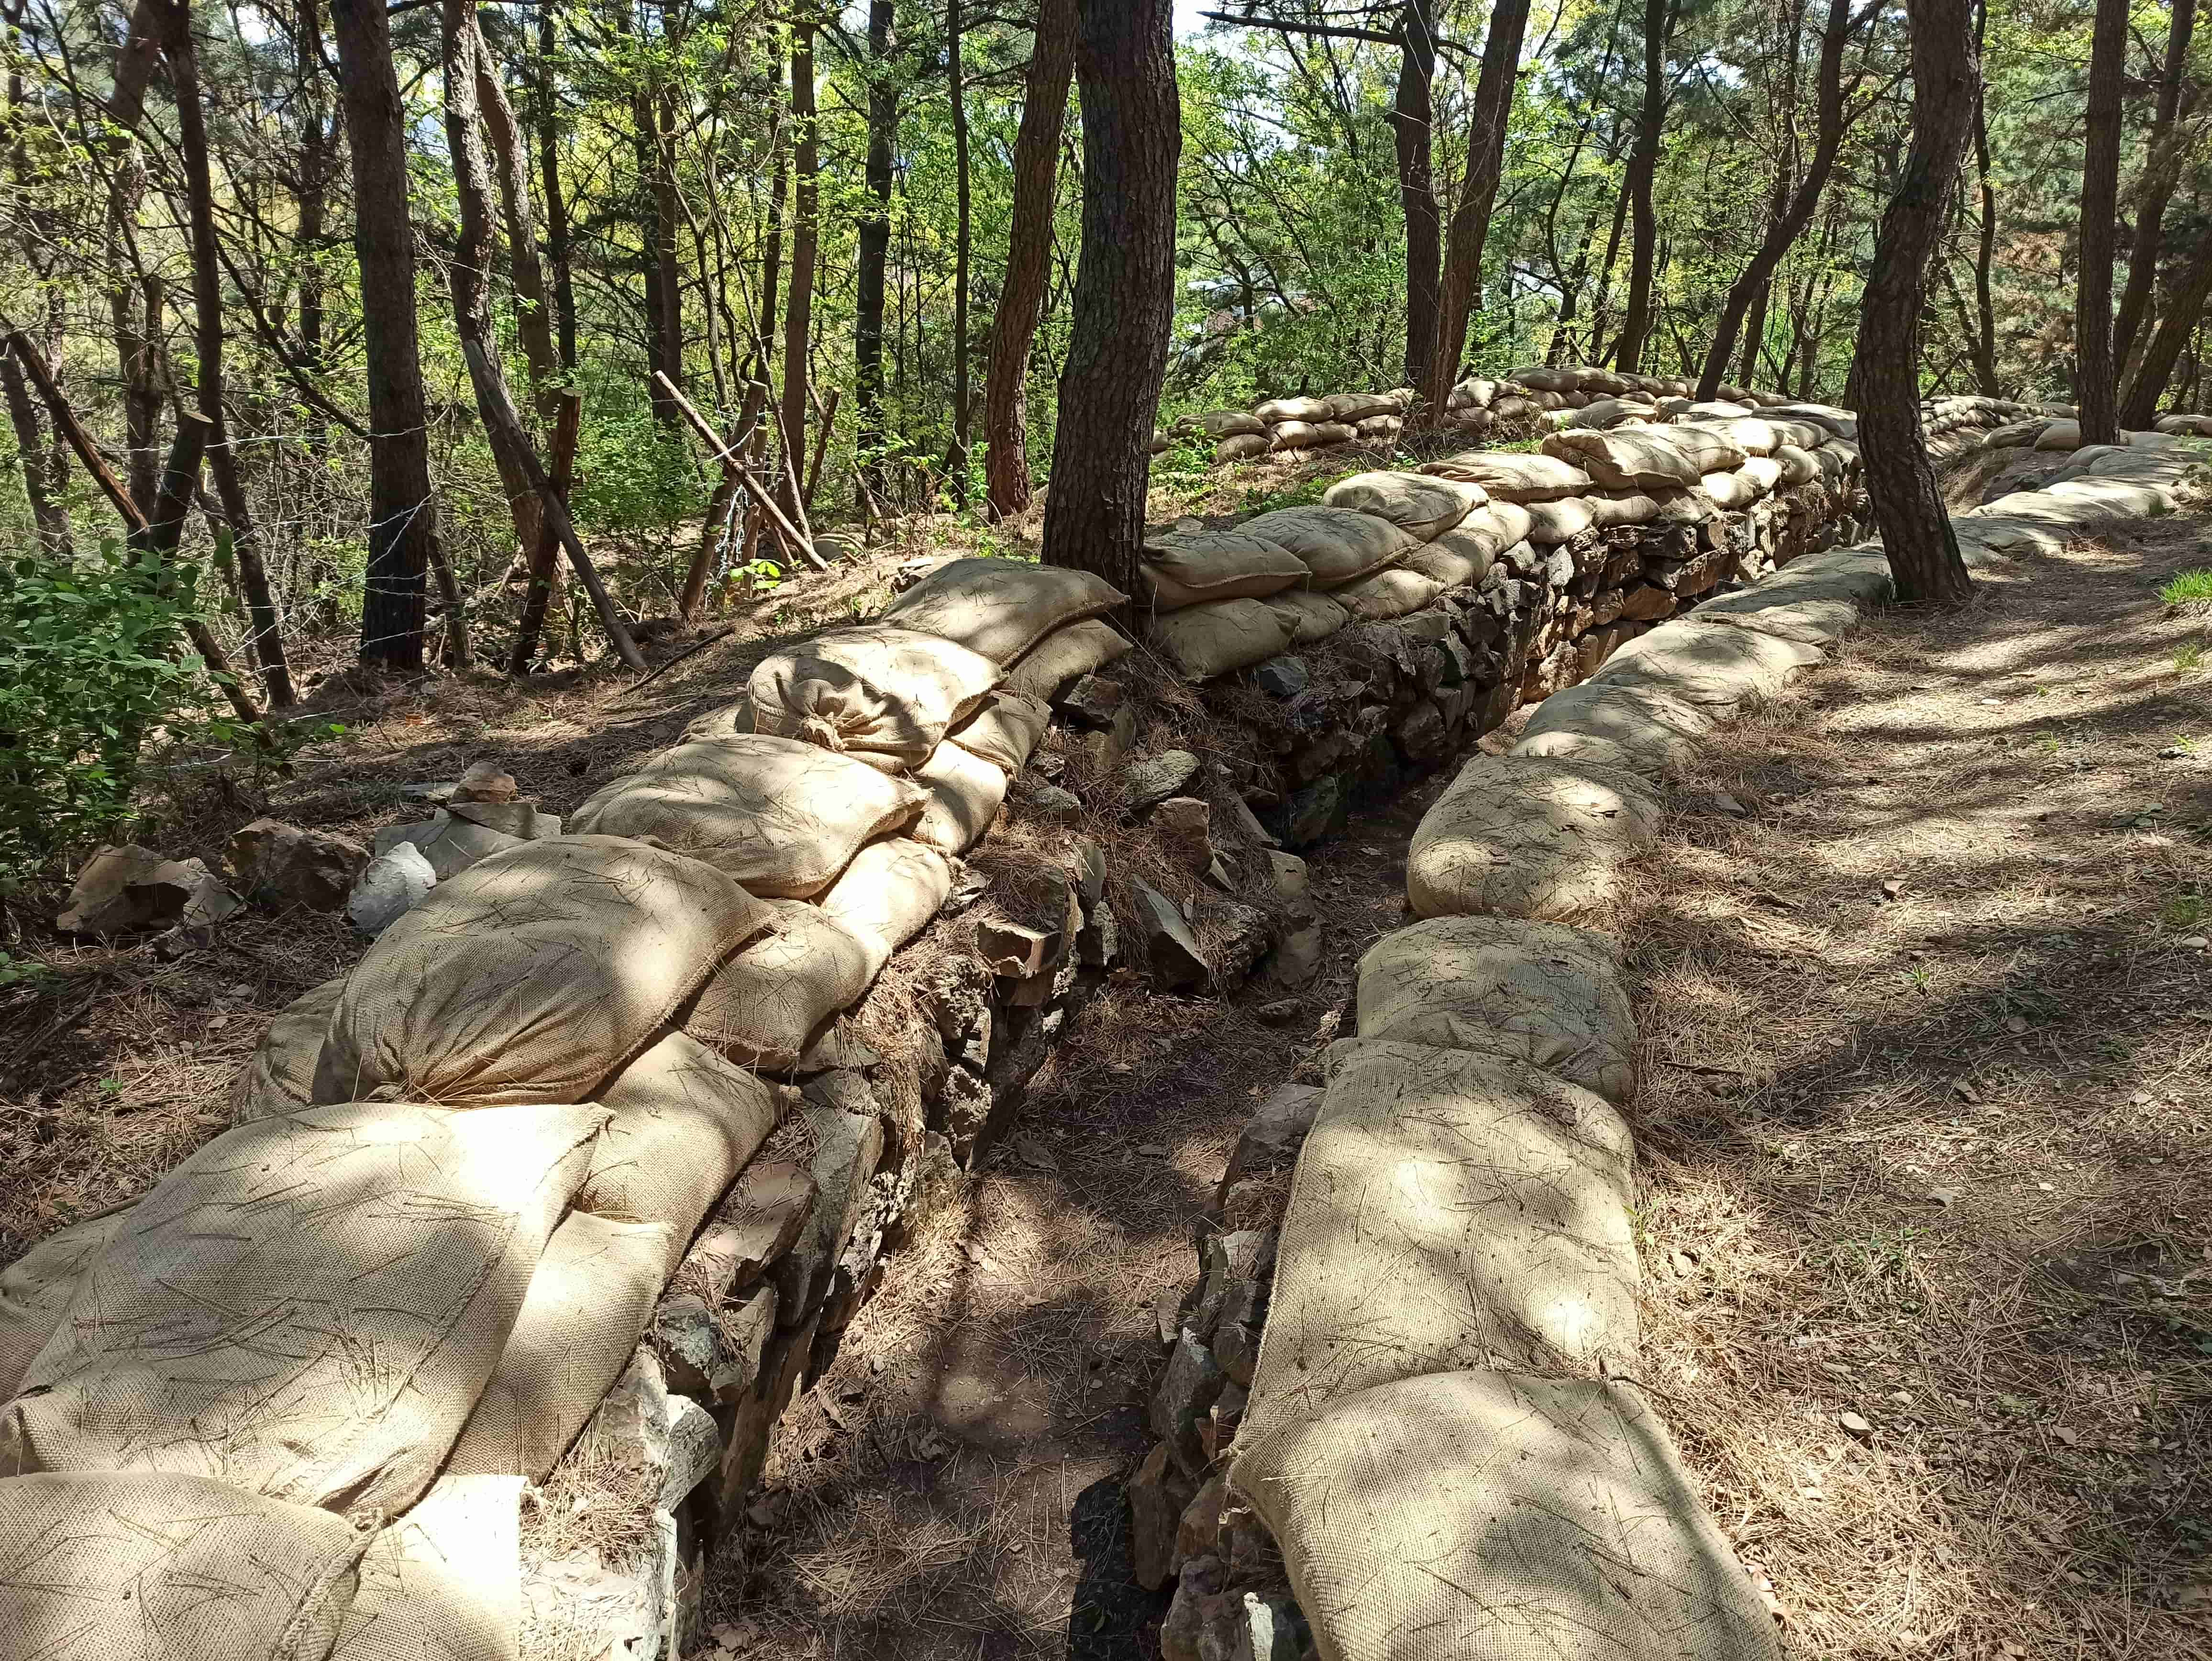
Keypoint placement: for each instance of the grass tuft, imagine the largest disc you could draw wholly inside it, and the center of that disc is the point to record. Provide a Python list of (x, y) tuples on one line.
[(2191, 588)]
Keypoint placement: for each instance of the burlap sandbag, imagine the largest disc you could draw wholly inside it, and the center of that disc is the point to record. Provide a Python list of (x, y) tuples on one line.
[(1361, 406), (1309, 615), (1004, 730), (1637, 728), (1449, 1210), (444, 1583), (1001, 607), (1634, 458), (1525, 837), (308, 1307), (965, 791), (1707, 445), (888, 895), (1205, 640), (1449, 564), (1490, 530), (1387, 594), (1731, 492), (1293, 435), (780, 815), (1551, 523), (1797, 464), (1484, 1517), (1241, 447), (1762, 472), (1718, 669), (1607, 412), (1293, 408), (1508, 476), (1535, 992), (723, 721), (1338, 545), (533, 976), (279, 1076), (1751, 434), (1063, 654), (590, 1301), (36, 1288), (762, 1007), (685, 1122), (879, 693), (1186, 568), (1227, 423), (1333, 432), (138, 1566), (1420, 504)]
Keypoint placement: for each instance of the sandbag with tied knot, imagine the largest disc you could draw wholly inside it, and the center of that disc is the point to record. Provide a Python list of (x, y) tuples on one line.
[(879, 693)]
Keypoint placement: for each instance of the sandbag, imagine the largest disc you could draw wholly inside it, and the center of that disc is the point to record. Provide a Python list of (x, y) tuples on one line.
[(1508, 476), (762, 1007), (881, 694), (1479, 1516), (1731, 492), (1719, 670), (36, 1288), (1362, 406), (1627, 458), (1608, 508), (965, 791), (1293, 408), (1524, 836), (1535, 992), (590, 1301), (2060, 435), (888, 895), (534, 977), (1004, 730), (1449, 1210), (1797, 464), (1338, 545), (1607, 412), (1228, 423), (228, 1331), (1001, 608), (1387, 594), (1379, 429), (443, 1581), (1309, 616), (1761, 472), (279, 1076), (1751, 434), (1449, 564), (1241, 447), (724, 721), (1333, 432), (1205, 640), (1551, 523), (139, 1565), (1707, 445), (1420, 504), (1062, 656), (685, 1122), (1186, 567), (1637, 728), (1294, 435), (1492, 528)]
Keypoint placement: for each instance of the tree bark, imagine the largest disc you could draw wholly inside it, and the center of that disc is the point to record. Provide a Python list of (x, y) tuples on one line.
[(1985, 342), (134, 298), (1750, 287), (1659, 19), (2161, 173), (805, 233), (1885, 383), (2095, 389), (568, 422), (402, 515), (1029, 257), (1412, 125), (1124, 301), (956, 459), (48, 512), (1487, 120), (548, 115), (874, 236), (265, 636), (2184, 308)]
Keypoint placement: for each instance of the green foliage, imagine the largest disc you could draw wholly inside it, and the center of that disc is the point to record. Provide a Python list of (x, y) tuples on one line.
[(85, 673), (2191, 588), (633, 472)]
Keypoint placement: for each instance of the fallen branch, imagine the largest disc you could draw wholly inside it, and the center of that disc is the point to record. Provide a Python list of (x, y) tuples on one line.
[(699, 425)]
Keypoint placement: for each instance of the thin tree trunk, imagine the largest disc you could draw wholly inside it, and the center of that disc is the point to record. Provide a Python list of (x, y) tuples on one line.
[(1029, 257), (2161, 173), (1490, 116), (1412, 125), (2095, 389), (132, 291), (1659, 17), (1124, 301), (874, 236), (806, 231), (956, 460), (1885, 383), (1984, 346), (568, 422), (1600, 311), (48, 513), (402, 515), (265, 641), (547, 118), (318, 156), (2184, 309)]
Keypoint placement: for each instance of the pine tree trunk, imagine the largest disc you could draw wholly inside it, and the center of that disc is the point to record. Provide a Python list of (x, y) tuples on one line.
[(2161, 173), (1413, 123), (874, 237), (547, 116), (956, 459), (806, 231), (2184, 307), (1029, 257), (1659, 17), (1884, 384), (2095, 391), (1124, 300)]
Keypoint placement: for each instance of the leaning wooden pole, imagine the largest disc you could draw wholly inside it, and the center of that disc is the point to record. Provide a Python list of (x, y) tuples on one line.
[(699, 425)]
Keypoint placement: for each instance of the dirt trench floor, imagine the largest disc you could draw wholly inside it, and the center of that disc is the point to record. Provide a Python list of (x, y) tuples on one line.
[(1925, 1133)]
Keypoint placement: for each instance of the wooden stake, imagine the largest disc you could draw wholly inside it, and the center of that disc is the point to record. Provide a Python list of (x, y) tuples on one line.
[(699, 425)]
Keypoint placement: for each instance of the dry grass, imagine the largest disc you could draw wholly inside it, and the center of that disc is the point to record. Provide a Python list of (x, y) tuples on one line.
[(1926, 1119)]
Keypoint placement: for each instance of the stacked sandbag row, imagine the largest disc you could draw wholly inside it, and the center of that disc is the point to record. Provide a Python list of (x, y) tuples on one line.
[(2095, 484), (1295, 423)]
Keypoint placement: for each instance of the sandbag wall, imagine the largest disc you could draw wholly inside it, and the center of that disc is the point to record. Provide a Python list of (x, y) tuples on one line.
[(1395, 1420)]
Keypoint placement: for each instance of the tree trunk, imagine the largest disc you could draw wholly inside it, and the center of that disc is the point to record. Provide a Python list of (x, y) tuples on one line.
[(1885, 383), (806, 231), (48, 512), (318, 157), (1659, 17), (1984, 340), (956, 459), (2161, 173), (2095, 389), (2184, 308), (135, 297), (401, 516), (567, 422), (1124, 298), (1492, 112), (874, 237), (548, 117), (1029, 257), (1413, 124), (266, 626)]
